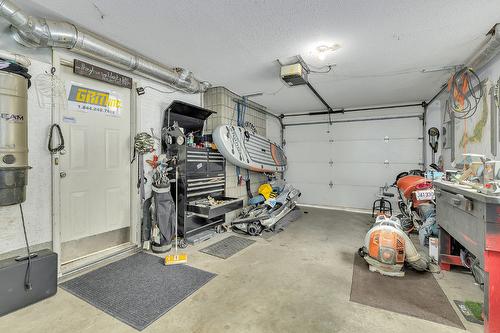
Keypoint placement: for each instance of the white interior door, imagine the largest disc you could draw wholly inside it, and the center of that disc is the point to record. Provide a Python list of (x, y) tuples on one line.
[(345, 164), (95, 169)]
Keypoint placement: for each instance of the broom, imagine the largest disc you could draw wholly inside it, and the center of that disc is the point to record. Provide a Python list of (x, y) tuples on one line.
[(177, 258)]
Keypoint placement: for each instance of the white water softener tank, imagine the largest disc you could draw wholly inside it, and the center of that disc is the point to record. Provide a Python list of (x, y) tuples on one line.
[(13, 138)]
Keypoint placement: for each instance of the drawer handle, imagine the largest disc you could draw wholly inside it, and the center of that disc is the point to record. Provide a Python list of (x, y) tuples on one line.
[(457, 202)]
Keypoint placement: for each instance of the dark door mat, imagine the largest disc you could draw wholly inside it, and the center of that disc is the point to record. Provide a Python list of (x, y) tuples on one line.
[(416, 294), (227, 247), (468, 313), (138, 289)]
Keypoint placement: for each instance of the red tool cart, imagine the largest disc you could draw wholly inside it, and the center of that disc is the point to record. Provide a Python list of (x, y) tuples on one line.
[(473, 220)]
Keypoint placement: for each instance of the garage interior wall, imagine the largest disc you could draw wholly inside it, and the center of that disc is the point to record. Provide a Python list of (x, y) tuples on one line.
[(343, 165), (37, 208), (437, 116)]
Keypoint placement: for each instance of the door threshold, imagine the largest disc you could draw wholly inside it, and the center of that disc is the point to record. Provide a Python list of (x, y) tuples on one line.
[(91, 261)]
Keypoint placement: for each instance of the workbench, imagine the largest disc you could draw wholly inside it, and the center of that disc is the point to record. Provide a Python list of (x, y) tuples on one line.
[(472, 219)]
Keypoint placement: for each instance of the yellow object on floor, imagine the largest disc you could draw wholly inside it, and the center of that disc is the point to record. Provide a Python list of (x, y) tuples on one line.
[(174, 259), (265, 190)]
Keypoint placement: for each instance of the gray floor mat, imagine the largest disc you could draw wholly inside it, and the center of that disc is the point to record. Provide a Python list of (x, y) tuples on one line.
[(416, 294), (138, 289), (227, 247)]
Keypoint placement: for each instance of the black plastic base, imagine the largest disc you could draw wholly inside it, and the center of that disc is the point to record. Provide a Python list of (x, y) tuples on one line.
[(13, 294)]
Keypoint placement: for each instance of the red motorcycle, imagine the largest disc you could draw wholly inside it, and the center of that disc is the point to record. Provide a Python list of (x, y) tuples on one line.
[(416, 200)]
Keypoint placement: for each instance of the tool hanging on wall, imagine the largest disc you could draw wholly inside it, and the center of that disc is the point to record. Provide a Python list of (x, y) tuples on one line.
[(433, 133), (60, 146), (465, 92)]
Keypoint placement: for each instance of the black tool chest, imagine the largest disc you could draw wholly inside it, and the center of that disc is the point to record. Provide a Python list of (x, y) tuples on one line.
[(202, 173)]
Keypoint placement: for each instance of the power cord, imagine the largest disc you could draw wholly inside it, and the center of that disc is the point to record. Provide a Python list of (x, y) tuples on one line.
[(160, 91), (27, 276), (464, 95)]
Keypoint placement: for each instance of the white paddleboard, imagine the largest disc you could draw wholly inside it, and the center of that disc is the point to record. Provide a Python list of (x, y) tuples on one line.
[(248, 150)]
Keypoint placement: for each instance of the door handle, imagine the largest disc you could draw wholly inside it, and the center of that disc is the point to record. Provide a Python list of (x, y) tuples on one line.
[(62, 174)]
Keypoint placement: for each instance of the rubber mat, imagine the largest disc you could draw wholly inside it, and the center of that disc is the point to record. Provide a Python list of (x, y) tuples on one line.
[(416, 294), (138, 289), (227, 247)]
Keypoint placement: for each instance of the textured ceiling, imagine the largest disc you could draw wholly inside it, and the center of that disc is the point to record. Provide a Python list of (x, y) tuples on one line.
[(235, 43)]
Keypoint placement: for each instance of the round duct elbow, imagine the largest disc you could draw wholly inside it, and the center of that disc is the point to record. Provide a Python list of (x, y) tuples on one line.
[(22, 39)]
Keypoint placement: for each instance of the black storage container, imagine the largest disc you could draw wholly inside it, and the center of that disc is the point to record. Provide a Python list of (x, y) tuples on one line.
[(43, 274)]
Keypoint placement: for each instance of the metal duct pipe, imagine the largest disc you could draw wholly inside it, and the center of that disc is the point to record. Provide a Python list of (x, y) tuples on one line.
[(38, 32), (487, 52)]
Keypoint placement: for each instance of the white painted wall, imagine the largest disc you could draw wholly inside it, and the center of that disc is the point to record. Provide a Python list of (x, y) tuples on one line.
[(37, 207)]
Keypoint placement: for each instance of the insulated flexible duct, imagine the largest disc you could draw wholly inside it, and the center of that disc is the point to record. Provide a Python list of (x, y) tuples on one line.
[(37, 32), (487, 52)]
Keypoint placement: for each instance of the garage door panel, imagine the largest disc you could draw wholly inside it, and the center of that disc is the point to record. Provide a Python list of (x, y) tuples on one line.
[(314, 194), (360, 197), (308, 151), (368, 174), (358, 152), (402, 151), (308, 133), (314, 173), (369, 130)]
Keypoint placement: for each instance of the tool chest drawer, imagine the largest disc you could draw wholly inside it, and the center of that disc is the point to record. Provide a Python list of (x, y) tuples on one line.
[(202, 207)]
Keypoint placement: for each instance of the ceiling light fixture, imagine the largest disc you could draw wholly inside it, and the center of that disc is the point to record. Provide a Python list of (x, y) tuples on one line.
[(324, 50)]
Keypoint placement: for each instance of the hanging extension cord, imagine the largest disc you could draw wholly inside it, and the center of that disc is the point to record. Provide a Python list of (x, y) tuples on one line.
[(27, 276)]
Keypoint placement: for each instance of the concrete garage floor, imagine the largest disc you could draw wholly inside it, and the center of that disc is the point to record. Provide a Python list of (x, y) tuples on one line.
[(297, 281)]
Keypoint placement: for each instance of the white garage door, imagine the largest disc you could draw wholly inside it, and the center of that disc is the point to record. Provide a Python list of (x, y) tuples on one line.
[(346, 163)]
